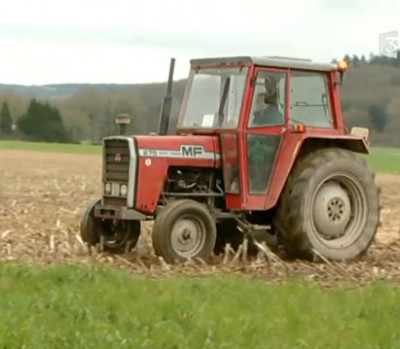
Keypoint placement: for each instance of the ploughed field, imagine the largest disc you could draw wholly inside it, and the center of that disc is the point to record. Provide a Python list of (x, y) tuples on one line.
[(43, 195)]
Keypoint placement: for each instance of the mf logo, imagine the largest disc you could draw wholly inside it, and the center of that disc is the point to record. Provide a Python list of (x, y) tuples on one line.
[(118, 157), (192, 150)]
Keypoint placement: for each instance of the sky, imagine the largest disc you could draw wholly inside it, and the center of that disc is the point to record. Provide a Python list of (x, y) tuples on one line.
[(130, 41)]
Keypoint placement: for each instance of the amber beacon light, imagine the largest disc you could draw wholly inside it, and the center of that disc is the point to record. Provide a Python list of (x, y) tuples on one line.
[(342, 65)]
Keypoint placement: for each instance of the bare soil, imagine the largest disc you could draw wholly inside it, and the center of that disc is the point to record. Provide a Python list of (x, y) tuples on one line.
[(43, 196)]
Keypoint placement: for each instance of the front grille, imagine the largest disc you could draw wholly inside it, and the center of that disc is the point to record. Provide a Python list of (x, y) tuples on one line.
[(116, 167), (116, 154)]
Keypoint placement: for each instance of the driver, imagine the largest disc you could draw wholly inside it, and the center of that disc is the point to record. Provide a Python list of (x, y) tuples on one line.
[(269, 113)]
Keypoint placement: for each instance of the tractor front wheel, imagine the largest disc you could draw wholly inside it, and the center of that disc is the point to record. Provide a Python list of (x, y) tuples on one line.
[(329, 207), (183, 230), (116, 236)]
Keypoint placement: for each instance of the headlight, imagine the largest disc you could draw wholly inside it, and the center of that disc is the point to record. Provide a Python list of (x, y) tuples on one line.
[(107, 188), (123, 190)]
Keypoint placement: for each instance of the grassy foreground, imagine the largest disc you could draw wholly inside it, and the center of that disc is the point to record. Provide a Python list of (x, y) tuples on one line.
[(92, 307), (385, 160)]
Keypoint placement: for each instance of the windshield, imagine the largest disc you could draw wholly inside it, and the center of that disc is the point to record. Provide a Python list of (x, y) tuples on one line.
[(215, 98)]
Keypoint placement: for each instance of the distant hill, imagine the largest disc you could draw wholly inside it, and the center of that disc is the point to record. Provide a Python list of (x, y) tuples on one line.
[(88, 110), (59, 91)]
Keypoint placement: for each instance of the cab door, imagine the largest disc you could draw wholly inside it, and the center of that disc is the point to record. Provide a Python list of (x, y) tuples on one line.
[(265, 126)]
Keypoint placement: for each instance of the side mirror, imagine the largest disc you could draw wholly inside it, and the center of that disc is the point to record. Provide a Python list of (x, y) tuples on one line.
[(341, 76)]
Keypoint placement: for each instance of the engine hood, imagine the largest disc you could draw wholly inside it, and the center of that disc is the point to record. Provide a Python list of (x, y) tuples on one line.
[(156, 154)]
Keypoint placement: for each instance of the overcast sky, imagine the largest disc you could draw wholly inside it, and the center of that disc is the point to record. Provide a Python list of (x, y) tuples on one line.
[(130, 41)]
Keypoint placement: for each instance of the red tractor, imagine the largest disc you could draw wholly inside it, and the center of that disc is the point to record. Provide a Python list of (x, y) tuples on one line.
[(261, 150)]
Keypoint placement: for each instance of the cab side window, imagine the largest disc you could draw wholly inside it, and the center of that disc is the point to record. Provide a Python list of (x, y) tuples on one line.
[(309, 100), (268, 105)]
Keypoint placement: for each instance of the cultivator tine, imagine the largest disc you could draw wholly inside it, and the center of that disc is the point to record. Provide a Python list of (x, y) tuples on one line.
[(226, 253)]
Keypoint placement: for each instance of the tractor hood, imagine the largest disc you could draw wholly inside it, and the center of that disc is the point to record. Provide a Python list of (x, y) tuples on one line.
[(156, 154)]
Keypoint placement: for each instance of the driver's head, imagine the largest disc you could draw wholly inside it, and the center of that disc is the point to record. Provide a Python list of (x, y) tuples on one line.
[(271, 92)]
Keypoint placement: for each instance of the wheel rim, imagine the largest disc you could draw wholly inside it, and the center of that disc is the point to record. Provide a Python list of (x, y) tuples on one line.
[(339, 211), (188, 236)]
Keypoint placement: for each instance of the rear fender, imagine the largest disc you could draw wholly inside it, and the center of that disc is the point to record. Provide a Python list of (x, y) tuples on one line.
[(357, 145), (300, 145)]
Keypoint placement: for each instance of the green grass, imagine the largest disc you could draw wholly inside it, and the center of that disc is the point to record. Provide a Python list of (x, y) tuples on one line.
[(51, 147), (385, 160), (91, 307)]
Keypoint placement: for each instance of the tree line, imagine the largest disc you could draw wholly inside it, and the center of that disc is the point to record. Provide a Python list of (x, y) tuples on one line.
[(89, 115), (373, 59), (370, 98), (41, 122)]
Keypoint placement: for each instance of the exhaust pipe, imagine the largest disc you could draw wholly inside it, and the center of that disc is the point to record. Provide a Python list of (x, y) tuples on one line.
[(166, 105)]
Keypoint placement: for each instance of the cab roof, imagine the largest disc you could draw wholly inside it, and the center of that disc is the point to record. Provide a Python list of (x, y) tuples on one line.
[(267, 61)]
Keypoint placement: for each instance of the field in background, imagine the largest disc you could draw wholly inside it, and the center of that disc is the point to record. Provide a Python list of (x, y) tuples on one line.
[(95, 307), (51, 147), (386, 160)]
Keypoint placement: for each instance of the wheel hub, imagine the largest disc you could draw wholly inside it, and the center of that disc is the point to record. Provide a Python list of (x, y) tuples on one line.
[(336, 208), (187, 237), (332, 210)]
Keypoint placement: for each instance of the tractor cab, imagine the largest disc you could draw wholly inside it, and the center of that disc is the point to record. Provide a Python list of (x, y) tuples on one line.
[(261, 109)]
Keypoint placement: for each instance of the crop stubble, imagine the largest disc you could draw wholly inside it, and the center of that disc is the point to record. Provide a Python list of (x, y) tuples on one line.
[(43, 195)]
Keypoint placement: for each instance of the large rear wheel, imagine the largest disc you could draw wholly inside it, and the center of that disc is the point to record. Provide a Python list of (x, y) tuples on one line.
[(183, 230), (117, 236), (330, 206)]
